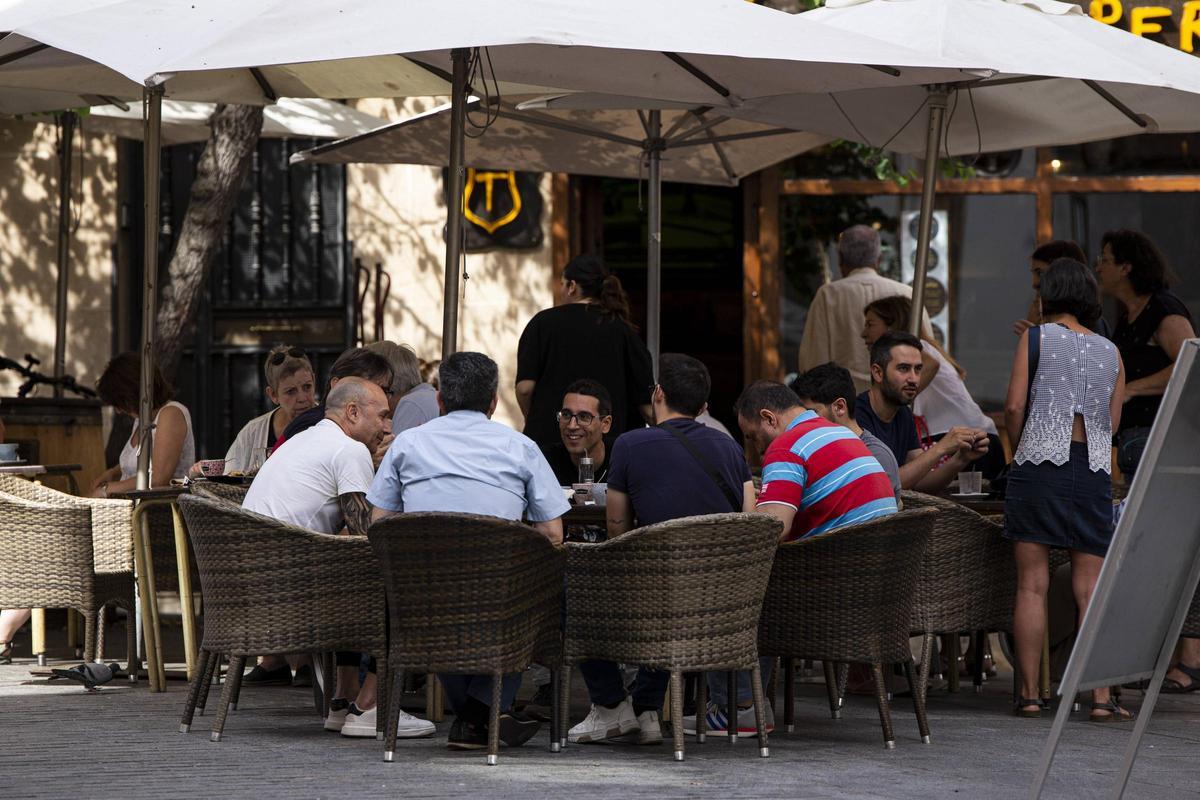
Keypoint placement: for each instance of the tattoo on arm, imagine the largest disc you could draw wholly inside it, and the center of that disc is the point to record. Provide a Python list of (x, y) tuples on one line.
[(356, 511)]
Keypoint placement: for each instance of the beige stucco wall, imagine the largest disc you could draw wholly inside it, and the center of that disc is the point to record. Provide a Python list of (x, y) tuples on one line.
[(28, 273), (396, 216)]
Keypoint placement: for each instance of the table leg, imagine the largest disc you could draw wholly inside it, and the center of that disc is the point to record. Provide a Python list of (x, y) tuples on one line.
[(74, 484), (187, 608), (37, 627), (149, 604)]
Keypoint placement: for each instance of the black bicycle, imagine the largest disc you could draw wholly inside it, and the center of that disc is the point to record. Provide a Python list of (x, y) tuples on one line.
[(34, 378)]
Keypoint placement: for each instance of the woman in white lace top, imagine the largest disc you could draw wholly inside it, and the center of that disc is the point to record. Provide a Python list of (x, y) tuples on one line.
[(1064, 402)]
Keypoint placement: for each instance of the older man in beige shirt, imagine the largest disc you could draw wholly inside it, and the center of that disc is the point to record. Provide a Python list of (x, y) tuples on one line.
[(833, 328)]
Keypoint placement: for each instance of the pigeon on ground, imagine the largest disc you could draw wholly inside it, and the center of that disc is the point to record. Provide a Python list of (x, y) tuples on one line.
[(89, 674)]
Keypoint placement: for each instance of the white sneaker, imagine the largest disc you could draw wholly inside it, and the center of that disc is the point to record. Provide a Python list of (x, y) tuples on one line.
[(605, 723), (715, 722), (362, 724), (651, 728), (337, 715)]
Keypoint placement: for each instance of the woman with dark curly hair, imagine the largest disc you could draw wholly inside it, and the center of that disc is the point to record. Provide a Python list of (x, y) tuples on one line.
[(1151, 327), (1064, 401)]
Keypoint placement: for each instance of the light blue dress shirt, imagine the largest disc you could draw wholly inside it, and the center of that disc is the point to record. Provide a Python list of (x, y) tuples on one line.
[(463, 462)]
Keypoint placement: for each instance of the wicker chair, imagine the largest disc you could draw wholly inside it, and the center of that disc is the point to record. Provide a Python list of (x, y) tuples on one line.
[(47, 561), (468, 595), (270, 587), (683, 596), (967, 582), (848, 596), (232, 493)]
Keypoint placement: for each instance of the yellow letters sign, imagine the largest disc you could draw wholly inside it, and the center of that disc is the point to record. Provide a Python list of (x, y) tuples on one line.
[(1150, 20)]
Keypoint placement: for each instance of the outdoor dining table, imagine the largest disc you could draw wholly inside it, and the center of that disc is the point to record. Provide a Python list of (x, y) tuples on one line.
[(37, 470), (144, 500), (985, 505)]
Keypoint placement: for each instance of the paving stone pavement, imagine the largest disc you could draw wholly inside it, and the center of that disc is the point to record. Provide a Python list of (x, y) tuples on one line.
[(123, 742)]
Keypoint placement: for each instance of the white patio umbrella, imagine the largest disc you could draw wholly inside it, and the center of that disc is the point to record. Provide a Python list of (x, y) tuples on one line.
[(1062, 78), (716, 52), (185, 121), (694, 146)]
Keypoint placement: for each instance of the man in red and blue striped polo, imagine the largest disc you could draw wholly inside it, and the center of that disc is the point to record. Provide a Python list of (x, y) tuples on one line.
[(817, 476)]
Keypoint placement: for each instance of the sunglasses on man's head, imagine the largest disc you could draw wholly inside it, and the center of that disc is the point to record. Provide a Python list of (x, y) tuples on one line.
[(279, 356)]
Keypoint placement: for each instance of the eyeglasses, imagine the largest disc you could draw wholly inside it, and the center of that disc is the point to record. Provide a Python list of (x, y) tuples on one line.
[(279, 356), (584, 418)]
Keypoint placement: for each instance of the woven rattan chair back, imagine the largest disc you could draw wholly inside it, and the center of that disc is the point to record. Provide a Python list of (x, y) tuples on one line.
[(468, 594), (231, 493), (46, 562), (968, 576), (684, 594), (112, 540), (270, 587), (847, 595)]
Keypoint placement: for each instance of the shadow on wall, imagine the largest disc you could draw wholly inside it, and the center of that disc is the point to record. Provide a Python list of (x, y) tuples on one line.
[(28, 232), (397, 216)]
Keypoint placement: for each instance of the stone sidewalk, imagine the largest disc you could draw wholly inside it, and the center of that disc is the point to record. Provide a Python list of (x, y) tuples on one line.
[(123, 742)]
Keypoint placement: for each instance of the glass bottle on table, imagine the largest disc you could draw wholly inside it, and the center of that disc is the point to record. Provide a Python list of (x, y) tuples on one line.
[(587, 471)]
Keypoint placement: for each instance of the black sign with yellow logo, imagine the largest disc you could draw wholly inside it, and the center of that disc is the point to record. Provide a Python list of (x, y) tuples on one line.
[(503, 209)]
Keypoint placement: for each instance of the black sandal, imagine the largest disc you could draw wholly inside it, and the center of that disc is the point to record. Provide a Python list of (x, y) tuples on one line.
[(1172, 686), (1111, 712), (6, 653), (1020, 710)]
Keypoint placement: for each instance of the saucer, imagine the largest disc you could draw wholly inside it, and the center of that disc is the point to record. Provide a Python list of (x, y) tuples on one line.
[(968, 494)]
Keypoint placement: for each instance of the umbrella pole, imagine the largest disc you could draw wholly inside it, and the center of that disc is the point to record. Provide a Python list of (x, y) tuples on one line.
[(152, 155), (933, 145), (654, 147), (454, 201), (67, 120)]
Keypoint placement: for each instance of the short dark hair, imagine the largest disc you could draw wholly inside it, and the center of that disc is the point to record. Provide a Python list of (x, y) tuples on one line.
[(1069, 287), (1147, 266), (594, 389), (881, 351), (120, 385), (359, 362), (685, 383), (468, 382), (825, 384), (771, 395), (1050, 252)]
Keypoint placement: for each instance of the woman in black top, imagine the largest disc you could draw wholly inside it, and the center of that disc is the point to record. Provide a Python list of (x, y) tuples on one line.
[(589, 336), (1151, 327)]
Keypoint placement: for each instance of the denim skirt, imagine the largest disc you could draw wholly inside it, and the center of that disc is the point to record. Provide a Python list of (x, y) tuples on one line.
[(1067, 506)]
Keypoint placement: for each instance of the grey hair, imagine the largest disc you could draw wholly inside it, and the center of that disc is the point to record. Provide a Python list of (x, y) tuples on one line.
[(858, 246), (348, 390), (468, 382), (406, 368)]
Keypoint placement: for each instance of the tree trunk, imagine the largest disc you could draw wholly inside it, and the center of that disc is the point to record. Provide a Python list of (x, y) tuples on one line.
[(219, 175)]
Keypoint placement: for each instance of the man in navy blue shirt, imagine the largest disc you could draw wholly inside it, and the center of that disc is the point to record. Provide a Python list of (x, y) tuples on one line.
[(679, 468), (884, 411)]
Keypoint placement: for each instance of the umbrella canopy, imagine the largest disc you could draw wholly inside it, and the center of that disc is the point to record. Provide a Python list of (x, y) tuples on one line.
[(699, 51), (702, 146), (1062, 78), (185, 121)]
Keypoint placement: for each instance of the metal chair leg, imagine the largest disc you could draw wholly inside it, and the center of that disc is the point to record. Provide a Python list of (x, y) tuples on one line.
[(237, 665), (831, 688), (701, 707), (731, 707), (395, 695), (189, 708), (885, 715), (918, 703), (760, 711), (677, 711), (789, 694), (210, 672), (494, 721)]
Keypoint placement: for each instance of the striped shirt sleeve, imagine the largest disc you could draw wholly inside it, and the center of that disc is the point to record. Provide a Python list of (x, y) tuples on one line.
[(784, 478)]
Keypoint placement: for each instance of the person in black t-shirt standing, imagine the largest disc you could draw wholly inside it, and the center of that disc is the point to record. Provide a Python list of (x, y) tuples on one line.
[(884, 411), (589, 336), (1151, 328), (583, 425)]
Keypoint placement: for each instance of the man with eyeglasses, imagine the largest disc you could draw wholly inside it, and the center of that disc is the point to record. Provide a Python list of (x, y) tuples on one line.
[(583, 422)]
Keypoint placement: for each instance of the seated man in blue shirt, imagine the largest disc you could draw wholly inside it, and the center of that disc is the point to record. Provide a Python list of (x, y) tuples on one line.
[(654, 477), (463, 462)]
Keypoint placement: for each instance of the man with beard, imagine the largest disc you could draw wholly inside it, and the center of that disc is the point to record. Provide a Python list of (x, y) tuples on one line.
[(884, 411)]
